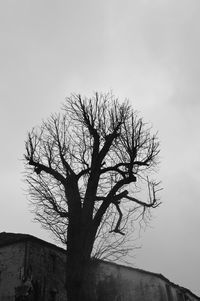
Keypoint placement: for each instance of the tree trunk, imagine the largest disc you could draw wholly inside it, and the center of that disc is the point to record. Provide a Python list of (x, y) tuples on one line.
[(78, 258), (75, 279)]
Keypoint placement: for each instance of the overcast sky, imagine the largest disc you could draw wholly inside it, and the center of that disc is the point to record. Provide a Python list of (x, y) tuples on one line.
[(145, 50)]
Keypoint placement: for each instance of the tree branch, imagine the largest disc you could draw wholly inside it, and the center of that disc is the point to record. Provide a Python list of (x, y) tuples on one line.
[(117, 230), (67, 167), (83, 172), (152, 196), (41, 167), (116, 169)]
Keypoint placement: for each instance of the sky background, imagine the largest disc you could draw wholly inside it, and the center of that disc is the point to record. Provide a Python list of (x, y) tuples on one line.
[(147, 51)]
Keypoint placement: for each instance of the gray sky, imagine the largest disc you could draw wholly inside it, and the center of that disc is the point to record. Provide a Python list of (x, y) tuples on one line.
[(147, 51)]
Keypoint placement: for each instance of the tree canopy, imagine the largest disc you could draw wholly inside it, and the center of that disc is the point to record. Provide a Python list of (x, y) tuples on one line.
[(104, 147), (84, 166)]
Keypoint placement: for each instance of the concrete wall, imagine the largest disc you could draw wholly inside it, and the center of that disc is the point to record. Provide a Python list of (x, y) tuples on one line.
[(11, 269), (40, 267), (31, 266), (47, 269), (107, 281)]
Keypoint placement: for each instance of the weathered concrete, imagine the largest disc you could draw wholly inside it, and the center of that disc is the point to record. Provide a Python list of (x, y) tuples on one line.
[(107, 281), (46, 268), (32, 268), (11, 269), (35, 269)]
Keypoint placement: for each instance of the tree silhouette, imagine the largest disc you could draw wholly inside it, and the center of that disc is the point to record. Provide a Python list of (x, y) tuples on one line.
[(83, 168)]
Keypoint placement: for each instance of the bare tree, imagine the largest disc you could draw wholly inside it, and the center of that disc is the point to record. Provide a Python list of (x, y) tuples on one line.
[(83, 168)]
